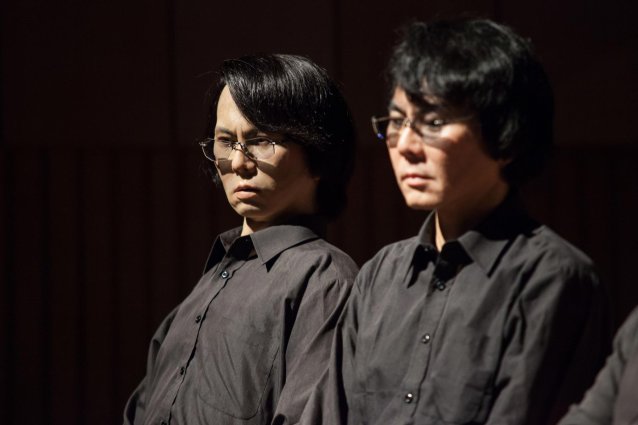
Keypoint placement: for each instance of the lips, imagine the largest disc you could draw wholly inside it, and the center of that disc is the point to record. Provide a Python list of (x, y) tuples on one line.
[(243, 188), (243, 192), (413, 175), (415, 179)]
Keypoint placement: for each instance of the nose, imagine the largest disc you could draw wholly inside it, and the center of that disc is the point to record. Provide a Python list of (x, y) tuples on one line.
[(409, 143), (240, 163)]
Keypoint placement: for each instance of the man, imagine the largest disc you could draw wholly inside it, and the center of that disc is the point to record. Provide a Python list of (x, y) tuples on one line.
[(258, 325), (612, 398), (485, 316)]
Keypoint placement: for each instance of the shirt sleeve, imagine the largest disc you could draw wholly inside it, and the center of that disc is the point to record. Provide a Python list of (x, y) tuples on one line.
[(309, 347), (556, 338), (136, 405), (328, 403), (597, 406)]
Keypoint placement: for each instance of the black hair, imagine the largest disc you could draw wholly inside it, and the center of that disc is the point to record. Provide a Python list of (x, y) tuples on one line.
[(292, 96), (489, 70)]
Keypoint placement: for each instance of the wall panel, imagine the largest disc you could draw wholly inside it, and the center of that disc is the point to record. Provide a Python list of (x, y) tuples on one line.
[(63, 305), (28, 373), (101, 371), (6, 279), (132, 265)]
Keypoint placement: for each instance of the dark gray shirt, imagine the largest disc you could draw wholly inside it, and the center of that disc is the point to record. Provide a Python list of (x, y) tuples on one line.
[(257, 326), (506, 325), (613, 399)]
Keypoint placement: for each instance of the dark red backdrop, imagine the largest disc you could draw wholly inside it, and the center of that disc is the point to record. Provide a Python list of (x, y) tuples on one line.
[(106, 218)]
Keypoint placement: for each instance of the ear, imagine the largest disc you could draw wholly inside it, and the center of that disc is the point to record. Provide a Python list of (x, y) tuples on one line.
[(502, 162)]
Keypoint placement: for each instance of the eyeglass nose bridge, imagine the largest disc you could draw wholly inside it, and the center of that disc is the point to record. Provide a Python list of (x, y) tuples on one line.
[(408, 123), (241, 147)]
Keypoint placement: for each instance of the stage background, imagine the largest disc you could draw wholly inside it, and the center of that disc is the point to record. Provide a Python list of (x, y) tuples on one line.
[(106, 217)]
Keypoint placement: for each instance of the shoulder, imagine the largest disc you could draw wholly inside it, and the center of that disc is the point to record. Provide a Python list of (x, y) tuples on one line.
[(544, 266), (394, 251), (320, 258), (626, 338), (544, 251), (388, 261)]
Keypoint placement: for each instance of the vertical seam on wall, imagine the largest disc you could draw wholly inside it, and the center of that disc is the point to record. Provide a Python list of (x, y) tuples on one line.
[(172, 73), (10, 242), (44, 158), (498, 10), (115, 181), (82, 279), (336, 40)]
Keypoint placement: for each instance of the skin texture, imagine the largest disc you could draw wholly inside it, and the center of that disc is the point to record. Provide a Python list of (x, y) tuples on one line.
[(455, 177), (263, 192)]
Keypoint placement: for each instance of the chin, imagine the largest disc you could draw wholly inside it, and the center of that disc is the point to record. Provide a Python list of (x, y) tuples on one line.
[(420, 202), (249, 211)]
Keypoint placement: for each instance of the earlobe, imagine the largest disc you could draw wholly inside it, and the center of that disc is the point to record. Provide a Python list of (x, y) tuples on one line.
[(502, 162)]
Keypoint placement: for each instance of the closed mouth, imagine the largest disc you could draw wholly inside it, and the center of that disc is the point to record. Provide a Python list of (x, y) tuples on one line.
[(246, 189), (414, 176)]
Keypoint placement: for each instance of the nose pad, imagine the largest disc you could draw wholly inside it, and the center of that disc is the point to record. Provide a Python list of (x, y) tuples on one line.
[(241, 163)]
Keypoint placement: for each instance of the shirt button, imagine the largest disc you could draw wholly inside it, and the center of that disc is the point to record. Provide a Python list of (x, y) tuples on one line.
[(425, 339), (440, 286), (182, 370), (408, 398), (224, 274), (198, 318)]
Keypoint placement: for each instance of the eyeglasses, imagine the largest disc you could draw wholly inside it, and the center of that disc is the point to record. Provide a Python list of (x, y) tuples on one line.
[(220, 148), (389, 128)]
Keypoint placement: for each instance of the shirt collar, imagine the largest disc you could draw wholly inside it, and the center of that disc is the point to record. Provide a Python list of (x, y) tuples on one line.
[(487, 241), (271, 241)]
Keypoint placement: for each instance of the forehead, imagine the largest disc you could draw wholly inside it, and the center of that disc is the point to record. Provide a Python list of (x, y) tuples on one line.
[(231, 121), (402, 101), (407, 104), (228, 111)]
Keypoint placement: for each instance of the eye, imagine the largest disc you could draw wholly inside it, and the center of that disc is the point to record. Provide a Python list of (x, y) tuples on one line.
[(259, 141), (434, 124), (395, 123), (224, 141)]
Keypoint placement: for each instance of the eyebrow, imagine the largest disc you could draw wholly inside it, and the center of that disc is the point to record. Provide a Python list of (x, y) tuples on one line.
[(426, 108), (394, 107), (248, 134)]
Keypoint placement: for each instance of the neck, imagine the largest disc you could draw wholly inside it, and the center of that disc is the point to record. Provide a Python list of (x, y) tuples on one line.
[(251, 226), (452, 222), (316, 223)]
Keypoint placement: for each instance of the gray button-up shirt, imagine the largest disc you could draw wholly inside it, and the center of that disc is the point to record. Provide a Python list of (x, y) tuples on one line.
[(258, 326), (506, 325), (613, 399)]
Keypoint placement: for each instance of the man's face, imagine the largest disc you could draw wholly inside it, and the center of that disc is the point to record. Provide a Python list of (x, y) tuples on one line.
[(453, 172), (262, 191)]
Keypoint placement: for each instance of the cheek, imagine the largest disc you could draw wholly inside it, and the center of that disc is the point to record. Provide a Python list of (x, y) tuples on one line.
[(225, 181), (395, 161)]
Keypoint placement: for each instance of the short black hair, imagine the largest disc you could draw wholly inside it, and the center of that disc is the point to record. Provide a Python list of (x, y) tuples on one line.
[(293, 96), (489, 70)]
